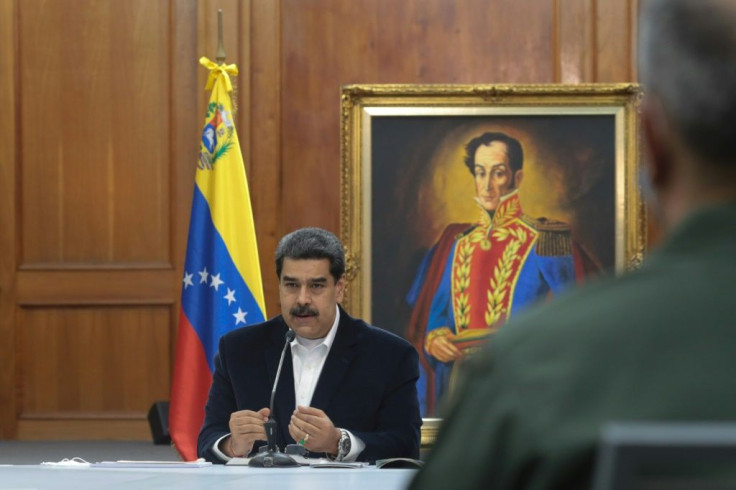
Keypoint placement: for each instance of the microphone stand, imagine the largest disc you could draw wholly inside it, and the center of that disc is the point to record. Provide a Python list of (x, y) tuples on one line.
[(272, 457)]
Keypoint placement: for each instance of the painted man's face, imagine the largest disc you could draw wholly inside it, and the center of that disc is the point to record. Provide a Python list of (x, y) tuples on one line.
[(493, 176)]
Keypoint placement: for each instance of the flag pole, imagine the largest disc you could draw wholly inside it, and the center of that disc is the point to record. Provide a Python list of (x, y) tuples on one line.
[(220, 54), (221, 288)]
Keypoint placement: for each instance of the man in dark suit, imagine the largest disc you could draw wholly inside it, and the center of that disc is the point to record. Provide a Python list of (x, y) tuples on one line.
[(655, 345), (348, 389)]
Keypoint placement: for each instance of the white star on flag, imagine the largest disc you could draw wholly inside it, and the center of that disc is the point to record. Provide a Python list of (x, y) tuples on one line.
[(216, 281), (203, 276), (240, 316), (230, 296), (188, 280)]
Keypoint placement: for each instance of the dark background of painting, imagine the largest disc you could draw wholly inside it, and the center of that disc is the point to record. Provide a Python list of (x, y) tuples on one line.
[(582, 148)]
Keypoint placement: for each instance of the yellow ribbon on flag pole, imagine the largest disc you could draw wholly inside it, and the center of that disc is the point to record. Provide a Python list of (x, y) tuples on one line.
[(217, 70)]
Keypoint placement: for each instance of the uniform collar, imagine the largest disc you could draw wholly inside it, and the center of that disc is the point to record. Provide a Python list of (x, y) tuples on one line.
[(508, 209)]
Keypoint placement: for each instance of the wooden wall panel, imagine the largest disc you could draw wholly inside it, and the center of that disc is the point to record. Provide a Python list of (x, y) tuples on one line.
[(91, 364), (94, 142), (8, 100), (264, 139), (185, 133), (614, 41), (331, 43), (576, 41), (103, 111), (102, 361), (96, 287)]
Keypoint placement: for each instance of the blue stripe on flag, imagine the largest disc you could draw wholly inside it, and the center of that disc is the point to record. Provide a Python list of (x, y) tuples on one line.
[(207, 308)]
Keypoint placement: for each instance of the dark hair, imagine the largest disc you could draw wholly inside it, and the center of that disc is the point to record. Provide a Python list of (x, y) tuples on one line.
[(516, 154), (312, 243), (687, 58)]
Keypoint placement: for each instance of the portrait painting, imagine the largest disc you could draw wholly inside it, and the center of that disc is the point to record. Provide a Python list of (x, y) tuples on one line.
[(464, 205)]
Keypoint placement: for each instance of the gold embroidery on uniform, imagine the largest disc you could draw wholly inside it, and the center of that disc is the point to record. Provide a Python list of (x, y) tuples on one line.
[(499, 282), (481, 232), (506, 214), (499, 225), (461, 282)]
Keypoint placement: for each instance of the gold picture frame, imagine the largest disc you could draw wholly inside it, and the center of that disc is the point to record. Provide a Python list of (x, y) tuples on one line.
[(403, 178)]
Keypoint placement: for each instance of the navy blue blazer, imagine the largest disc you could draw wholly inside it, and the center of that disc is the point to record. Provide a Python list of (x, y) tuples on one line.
[(367, 386)]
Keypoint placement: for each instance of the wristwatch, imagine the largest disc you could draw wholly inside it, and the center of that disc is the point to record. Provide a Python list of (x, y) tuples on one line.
[(343, 445)]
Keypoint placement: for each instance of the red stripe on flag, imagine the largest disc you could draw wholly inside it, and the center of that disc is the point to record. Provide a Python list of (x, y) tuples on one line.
[(190, 386)]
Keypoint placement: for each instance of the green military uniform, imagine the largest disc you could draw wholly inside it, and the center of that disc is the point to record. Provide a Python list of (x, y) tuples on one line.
[(657, 344)]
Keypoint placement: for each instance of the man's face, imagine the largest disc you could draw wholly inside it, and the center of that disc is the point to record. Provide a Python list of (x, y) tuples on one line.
[(309, 295), (493, 178)]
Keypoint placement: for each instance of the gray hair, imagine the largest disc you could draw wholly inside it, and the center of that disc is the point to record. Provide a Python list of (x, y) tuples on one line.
[(687, 58), (312, 243)]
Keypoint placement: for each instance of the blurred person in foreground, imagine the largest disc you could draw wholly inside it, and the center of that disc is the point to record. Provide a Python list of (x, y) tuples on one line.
[(347, 389), (654, 345)]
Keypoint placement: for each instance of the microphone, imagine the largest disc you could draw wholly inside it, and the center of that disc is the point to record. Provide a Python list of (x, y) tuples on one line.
[(272, 456), (289, 338)]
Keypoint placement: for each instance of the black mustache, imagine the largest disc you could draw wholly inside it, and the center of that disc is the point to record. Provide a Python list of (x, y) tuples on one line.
[(303, 311)]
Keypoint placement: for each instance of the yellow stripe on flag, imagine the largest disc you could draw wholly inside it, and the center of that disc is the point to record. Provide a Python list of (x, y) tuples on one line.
[(233, 217)]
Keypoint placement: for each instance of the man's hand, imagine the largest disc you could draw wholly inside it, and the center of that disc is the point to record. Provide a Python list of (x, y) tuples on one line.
[(442, 349), (315, 428), (246, 427)]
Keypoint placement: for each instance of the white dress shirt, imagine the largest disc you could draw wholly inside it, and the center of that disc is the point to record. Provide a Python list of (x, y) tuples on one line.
[(308, 357)]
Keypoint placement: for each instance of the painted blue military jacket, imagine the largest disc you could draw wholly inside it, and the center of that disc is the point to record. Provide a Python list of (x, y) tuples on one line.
[(489, 272)]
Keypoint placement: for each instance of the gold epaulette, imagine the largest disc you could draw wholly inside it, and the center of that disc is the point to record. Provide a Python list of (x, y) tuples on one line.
[(554, 237)]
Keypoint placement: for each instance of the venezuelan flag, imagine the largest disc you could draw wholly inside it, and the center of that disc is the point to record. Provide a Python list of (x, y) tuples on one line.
[(221, 287)]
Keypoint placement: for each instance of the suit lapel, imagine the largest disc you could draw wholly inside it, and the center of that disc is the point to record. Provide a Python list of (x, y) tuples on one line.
[(336, 365)]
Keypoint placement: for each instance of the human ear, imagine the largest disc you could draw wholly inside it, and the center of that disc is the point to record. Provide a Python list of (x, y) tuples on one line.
[(518, 176), (340, 289)]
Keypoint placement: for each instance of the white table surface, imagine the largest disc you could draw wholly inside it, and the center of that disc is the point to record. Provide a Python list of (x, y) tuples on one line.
[(216, 476)]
